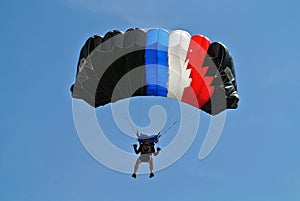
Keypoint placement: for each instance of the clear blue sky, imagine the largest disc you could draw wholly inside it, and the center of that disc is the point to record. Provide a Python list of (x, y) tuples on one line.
[(41, 156)]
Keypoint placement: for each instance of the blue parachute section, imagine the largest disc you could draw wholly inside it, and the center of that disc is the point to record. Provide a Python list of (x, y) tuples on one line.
[(156, 62)]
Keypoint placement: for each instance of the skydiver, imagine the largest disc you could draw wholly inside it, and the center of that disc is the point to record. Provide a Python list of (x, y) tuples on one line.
[(146, 149)]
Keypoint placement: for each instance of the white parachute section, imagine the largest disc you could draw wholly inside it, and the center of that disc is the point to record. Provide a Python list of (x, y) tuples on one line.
[(179, 75)]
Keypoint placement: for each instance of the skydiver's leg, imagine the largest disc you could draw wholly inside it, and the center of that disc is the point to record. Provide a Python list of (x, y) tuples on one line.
[(136, 167), (137, 164), (151, 167)]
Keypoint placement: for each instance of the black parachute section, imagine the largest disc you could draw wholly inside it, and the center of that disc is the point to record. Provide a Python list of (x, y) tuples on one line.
[(104, 61), (224, 81)]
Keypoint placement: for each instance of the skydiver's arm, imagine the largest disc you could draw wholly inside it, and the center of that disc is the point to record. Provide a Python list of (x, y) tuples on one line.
[(157, 152), (136, 150)]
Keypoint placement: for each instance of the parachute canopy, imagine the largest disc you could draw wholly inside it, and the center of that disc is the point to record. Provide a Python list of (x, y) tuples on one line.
[(156, 62)]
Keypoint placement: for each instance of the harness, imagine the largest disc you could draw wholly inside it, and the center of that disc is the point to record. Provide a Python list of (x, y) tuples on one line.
[(147, 148)]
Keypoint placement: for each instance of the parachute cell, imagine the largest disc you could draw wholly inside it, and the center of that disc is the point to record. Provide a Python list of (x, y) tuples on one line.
[(179, 75), (197, 93), (156, 58)]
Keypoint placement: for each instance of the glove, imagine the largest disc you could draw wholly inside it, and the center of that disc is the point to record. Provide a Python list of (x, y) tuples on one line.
[(158, 149), (135, 145)]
